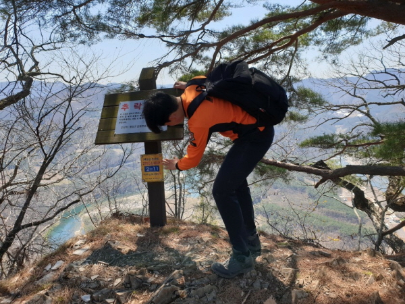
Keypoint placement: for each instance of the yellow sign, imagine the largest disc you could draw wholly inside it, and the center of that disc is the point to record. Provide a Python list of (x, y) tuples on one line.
[(152, 167)]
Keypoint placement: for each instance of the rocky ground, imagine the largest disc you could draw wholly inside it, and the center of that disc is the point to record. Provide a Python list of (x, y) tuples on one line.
[(126, 261)]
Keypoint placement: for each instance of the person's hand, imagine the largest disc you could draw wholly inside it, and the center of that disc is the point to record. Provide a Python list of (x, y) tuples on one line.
[(170, 164), (180, 85)]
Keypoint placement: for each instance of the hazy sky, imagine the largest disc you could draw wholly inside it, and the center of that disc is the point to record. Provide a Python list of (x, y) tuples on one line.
[(137, 54), (126, 58)]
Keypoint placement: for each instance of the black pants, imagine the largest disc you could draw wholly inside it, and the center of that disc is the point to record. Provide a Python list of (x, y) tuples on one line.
[(231, 191)]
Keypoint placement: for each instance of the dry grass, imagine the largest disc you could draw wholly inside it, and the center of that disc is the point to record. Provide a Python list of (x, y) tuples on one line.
[(340, 278)]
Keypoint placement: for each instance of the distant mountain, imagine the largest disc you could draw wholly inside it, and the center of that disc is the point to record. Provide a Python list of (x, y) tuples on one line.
[(334, 96), (383, 113)]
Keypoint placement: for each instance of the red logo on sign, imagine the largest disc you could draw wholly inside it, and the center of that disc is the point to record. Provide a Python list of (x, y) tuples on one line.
[(125, 106), (137, 106)]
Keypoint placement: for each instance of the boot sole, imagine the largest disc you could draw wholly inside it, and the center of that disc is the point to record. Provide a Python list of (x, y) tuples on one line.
[(222, 275)]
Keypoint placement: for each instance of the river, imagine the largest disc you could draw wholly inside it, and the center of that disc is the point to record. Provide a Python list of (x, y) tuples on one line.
[(69, 226)]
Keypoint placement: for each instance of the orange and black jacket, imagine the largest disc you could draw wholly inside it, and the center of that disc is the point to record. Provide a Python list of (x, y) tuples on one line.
[(212, 115)]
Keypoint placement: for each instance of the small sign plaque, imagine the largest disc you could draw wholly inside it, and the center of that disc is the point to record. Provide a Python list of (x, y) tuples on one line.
[(130, 118), (152, 167)]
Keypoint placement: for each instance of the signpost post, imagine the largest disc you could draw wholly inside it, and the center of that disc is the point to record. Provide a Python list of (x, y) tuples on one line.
[(121, 122)]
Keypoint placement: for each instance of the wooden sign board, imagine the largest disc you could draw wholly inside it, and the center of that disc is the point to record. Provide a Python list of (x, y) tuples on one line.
[(152, 168), (107, 134)]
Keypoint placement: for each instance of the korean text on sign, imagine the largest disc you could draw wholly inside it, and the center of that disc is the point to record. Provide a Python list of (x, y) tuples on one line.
[(152, 167), (130, 118)]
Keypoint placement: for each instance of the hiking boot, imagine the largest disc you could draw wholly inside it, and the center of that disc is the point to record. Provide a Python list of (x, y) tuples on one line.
[(238, 263), (254, 245)]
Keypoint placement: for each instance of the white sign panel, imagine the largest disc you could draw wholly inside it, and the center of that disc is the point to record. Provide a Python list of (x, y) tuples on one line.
[(130, 118)]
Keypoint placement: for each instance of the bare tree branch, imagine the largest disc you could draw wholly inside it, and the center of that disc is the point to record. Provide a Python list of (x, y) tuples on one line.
[(394, 40), (329, 174), (26, 90), (393, 229)]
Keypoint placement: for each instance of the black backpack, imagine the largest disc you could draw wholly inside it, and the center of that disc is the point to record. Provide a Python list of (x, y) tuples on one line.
[(249, 88)]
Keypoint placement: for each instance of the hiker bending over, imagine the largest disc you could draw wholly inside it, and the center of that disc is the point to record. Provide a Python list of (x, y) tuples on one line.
[(230, 189)]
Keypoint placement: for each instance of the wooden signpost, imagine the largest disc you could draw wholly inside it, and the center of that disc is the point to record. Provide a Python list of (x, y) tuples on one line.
[(121, 122)]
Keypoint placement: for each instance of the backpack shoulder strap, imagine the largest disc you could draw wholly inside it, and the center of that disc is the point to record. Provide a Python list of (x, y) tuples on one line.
[(196, 81), (192, 107), (201, 87)]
